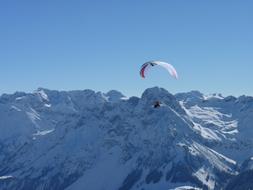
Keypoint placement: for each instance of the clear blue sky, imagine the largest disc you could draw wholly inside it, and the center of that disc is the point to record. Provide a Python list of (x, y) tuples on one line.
[(98, 44)]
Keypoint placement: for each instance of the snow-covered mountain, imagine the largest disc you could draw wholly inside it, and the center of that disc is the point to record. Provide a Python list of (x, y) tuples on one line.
[(77, 140)]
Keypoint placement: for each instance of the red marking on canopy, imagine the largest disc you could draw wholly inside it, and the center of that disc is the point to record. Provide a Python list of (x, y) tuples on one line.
[(143, 70)]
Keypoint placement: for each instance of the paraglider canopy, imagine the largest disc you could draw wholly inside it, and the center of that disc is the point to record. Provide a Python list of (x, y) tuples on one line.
[(165, 65)]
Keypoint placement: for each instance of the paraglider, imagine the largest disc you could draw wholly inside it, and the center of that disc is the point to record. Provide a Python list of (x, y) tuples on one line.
[(172, 71), (165, 65), (157, 104)]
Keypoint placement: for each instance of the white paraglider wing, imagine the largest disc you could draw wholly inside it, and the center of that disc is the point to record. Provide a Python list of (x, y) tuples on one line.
[(165, 65), (168, 67)]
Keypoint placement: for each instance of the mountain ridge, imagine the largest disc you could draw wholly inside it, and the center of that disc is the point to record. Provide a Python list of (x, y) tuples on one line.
[(66, 139)]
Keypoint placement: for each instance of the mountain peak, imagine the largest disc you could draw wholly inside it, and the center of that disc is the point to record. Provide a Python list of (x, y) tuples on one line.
[(156, 93), (42, 93), (114, 96)]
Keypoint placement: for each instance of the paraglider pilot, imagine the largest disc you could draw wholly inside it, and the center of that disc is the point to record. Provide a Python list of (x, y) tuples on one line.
[(157, 104)]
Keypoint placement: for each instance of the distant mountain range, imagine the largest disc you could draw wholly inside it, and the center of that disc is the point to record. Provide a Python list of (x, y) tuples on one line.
[(86, 140)]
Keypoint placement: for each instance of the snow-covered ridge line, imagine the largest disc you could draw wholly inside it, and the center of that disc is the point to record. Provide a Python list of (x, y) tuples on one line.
[(43, 92), (62, 139)]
